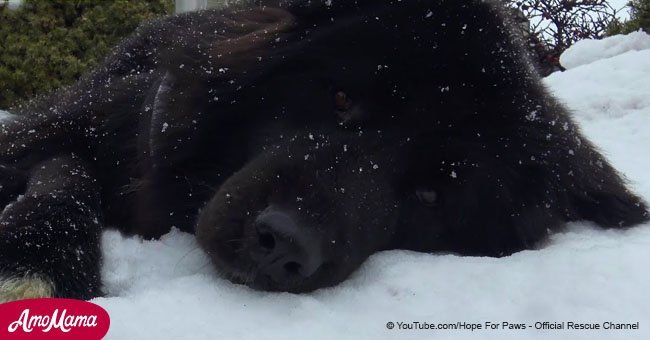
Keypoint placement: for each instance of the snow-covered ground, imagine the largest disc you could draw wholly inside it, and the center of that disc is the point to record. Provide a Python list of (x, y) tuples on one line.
[(166, 289)]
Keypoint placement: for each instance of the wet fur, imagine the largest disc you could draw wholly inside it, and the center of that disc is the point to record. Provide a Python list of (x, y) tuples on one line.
[(195, 107)]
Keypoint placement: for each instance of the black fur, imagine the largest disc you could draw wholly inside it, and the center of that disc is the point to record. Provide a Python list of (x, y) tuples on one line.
[(369, 124), (53, 230)]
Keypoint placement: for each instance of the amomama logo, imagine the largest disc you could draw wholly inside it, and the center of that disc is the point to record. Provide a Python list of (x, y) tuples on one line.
[(52, 319)]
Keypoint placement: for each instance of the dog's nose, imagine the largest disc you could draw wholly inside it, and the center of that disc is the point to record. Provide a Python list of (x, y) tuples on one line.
[(284, 250)]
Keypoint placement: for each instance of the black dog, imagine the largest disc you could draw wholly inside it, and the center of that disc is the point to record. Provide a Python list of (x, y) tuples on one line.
[(296, 139)]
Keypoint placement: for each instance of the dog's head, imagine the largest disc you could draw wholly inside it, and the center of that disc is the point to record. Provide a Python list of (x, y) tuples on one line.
[(347, 161)]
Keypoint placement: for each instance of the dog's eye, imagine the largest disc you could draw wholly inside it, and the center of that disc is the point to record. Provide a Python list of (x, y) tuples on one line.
[(342, 101), (427, 197)]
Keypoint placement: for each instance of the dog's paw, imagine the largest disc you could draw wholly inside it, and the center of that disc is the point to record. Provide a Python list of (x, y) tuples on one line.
[(24, 287)]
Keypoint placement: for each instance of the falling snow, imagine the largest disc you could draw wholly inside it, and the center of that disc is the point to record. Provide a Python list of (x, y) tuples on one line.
[(166, 289)]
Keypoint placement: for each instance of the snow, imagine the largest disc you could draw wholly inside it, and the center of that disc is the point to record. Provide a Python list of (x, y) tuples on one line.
[(166, 289), (609, 87), (588, 51)]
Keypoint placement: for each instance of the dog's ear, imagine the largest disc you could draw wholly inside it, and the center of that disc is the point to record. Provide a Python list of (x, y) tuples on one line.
[(166, 130), (598, 192), (253, 29), (221, 42), (203, 71), (177, 115)]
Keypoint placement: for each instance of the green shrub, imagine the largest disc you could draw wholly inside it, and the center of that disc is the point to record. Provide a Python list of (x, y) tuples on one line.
[(45, 44), (639, 19)]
